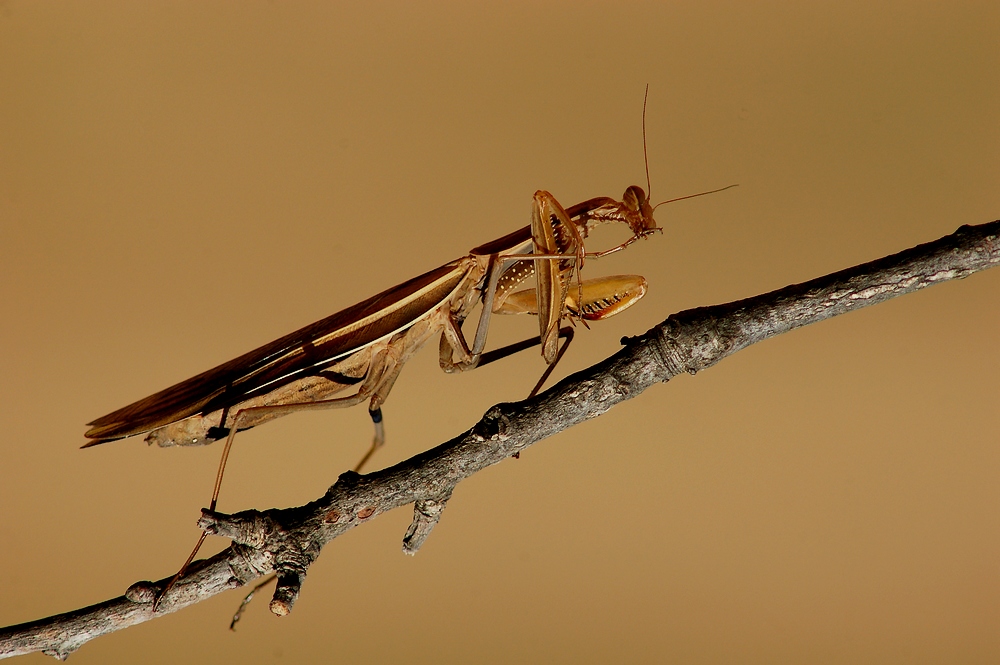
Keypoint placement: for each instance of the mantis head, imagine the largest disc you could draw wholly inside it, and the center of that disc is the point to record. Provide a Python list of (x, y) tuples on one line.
[(637, 212)]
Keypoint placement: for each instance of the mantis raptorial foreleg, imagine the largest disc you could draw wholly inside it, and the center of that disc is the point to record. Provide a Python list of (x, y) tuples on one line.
[(558, 250), (553, 232)]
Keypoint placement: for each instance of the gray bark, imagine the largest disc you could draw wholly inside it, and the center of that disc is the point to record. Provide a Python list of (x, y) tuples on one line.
[(287, 541)]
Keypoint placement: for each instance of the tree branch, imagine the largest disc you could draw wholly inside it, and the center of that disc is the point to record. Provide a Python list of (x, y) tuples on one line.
[(288, 541)]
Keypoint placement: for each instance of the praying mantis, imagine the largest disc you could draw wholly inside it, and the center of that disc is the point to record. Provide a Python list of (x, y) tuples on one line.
[(366, 345)]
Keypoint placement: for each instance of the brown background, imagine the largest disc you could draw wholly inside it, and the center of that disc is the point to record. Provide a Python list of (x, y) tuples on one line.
[(181, 182)]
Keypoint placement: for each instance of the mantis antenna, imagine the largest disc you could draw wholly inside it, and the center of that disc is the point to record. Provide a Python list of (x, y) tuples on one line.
[(645, 158), (645, 154)]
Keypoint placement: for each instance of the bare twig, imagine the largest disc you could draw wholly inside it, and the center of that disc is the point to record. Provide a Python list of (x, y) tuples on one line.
[(288, 541)]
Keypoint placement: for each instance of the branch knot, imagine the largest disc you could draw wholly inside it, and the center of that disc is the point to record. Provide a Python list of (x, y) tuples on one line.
[(249, 527), (493, 425), (668, 349)]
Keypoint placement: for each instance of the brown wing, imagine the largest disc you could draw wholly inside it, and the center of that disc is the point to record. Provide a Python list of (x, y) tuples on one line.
[(286, 359)]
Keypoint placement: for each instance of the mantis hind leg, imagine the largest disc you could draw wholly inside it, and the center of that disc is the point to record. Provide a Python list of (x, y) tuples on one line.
[(389, 368), (377, 442), (375, 379)]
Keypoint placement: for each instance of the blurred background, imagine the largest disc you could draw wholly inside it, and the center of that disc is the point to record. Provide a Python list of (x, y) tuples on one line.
[(181, 182)]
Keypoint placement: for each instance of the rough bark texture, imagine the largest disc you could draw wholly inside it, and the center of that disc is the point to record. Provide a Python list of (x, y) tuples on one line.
[(288, 541)]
